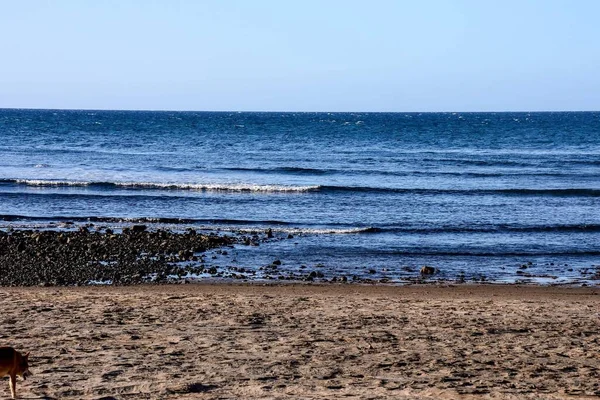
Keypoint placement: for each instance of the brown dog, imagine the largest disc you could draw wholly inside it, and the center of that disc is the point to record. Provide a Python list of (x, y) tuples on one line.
[(13, 363)]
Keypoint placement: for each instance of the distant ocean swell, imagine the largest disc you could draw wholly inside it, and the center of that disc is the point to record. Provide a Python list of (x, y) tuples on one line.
[(526, 171), (383, 172)]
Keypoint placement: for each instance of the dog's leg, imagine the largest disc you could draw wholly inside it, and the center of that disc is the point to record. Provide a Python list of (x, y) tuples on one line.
[(13, 386)]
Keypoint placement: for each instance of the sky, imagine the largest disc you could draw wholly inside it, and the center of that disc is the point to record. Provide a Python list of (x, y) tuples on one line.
[(309, 55)]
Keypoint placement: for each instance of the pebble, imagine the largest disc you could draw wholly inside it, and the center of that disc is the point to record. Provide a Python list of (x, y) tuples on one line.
[(31, 258)]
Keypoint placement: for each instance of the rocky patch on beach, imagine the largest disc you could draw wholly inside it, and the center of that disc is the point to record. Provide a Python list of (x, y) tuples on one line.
[(82, 257)]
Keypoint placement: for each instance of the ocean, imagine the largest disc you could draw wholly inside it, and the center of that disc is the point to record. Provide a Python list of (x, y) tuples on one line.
[(482, 197)]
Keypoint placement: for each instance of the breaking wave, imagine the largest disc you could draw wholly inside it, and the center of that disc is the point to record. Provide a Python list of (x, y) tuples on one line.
[(263, 188), (207, 187)]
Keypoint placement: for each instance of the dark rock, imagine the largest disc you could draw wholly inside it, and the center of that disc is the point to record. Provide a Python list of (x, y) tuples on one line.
[(277, 262), (270, 233), (428, 270), (138, 228), (315, 274)]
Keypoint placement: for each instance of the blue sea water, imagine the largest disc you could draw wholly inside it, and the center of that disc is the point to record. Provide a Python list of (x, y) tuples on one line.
[(376, 195)]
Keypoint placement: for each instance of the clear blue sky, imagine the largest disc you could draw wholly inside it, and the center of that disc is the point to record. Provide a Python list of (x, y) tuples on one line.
[(302, 55)]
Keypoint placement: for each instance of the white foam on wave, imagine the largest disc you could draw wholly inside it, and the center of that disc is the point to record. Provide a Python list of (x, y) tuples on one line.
[(45, 182), (216, 187), (208, 187), (328, 231), (293, 231)]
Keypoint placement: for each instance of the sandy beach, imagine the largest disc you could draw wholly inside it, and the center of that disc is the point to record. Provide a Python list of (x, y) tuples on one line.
[(204, 341)]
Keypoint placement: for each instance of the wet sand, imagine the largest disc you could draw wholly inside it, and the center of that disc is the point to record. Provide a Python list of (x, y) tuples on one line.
[(203, 341)]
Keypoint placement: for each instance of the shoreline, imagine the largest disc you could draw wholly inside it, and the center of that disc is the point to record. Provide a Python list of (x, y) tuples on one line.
[(413, 288), (82, 255), (309, 341)]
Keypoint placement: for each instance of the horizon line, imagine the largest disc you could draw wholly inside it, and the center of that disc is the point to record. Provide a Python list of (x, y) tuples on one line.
[(290, 111)]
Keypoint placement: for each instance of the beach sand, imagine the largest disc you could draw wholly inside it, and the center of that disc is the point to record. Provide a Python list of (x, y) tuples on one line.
[(224, 341)]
